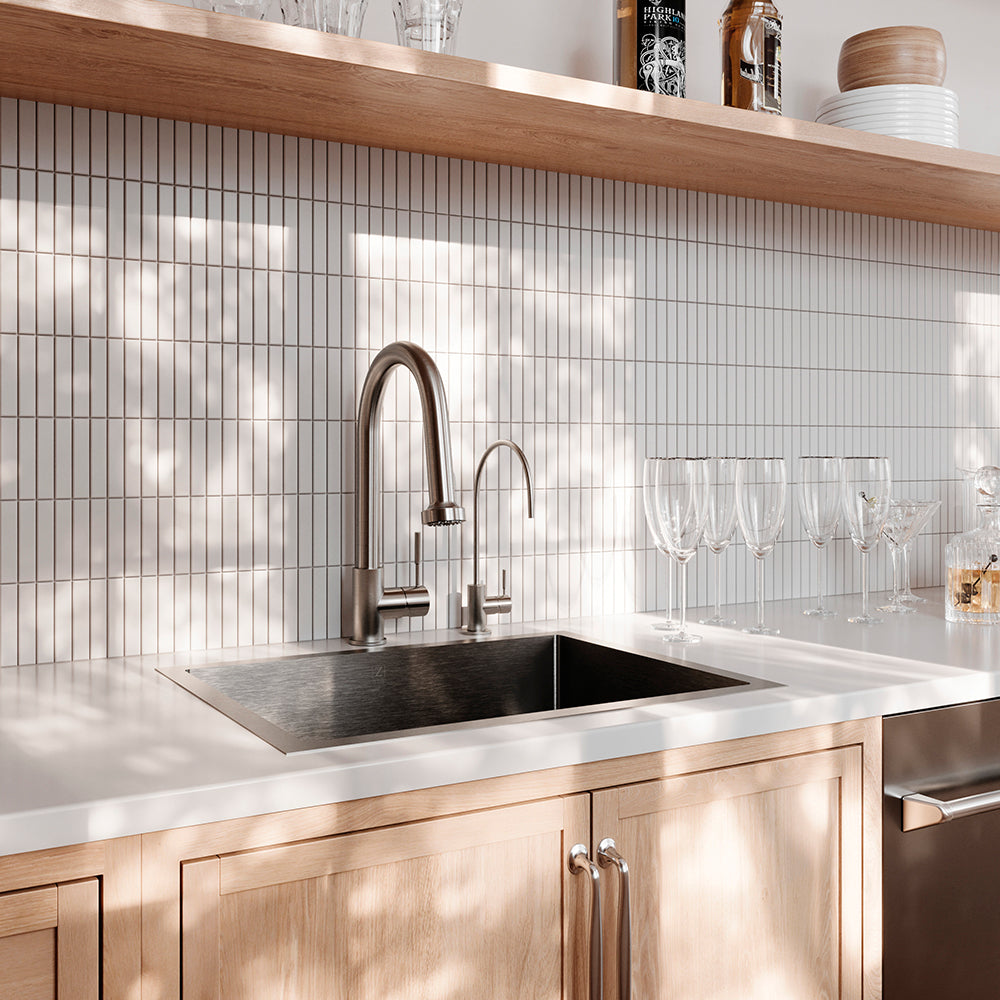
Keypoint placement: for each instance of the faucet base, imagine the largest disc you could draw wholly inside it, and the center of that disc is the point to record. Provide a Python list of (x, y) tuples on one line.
[(367, 627)]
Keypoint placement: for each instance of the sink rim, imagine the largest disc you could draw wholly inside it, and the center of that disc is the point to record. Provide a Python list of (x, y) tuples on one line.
[(291, 745)]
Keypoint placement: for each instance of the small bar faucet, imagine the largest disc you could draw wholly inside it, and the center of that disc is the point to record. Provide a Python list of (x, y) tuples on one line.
[(479, 604), (373, 602)]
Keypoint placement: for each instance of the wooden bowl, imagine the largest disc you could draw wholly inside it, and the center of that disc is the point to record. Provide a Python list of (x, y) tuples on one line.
[(892, 56)]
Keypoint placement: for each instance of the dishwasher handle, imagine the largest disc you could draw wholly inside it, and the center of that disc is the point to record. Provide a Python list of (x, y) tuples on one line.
[(921, 810)]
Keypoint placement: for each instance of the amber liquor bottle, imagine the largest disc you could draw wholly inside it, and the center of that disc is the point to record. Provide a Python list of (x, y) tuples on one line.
[(650, 46), (751, 56)]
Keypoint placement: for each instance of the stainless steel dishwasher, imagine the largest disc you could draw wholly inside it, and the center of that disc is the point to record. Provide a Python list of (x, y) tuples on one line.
[(941, 854)]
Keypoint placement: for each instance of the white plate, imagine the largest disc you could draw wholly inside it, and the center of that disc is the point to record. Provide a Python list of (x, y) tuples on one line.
[(864, 100), (918, 122), (936, 140), (889, 107), (897, 90)]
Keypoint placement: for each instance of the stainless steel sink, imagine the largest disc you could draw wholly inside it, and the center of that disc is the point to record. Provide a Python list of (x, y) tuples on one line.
[(314, 702)]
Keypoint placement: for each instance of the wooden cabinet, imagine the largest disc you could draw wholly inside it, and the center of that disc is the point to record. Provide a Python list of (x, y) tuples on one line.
[(477, 905), (746, 882), (50, 945)]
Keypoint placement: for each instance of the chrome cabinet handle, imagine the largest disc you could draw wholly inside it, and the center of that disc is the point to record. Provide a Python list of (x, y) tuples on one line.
[(608, 856), (579, 862), (925, 810)]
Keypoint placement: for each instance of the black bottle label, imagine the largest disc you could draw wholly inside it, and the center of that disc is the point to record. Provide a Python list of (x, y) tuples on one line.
[(660, 47)]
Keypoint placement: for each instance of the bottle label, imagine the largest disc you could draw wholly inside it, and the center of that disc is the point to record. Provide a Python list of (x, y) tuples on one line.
[(661, 47), (760, 61)]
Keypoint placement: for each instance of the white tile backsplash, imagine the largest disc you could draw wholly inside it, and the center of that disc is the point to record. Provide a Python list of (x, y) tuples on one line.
[(186, 313)]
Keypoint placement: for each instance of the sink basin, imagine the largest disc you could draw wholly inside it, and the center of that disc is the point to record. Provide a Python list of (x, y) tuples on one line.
[(326, 700)]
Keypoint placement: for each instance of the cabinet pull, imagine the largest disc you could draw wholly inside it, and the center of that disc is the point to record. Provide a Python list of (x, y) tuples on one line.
[(579, 862), (608, 856)]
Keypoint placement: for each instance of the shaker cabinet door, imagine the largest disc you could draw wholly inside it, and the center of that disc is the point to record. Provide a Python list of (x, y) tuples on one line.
[(50, 942), (746, 882), (472, 906)]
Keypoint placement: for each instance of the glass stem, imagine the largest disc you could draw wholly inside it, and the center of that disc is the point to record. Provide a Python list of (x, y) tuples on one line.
[(718, 586), (819, 579), (864, 584), (906, 570), (684, 597), (760, 592), (894, 552), (670, 590)]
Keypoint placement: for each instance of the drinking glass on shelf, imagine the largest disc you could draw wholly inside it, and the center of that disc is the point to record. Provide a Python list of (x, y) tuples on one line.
[(867, 485), (819, 505), (341, 17), (760, 507), (681, 498), (427, 24), (649, 474), (256, 9), (720, 524), (907, 518)]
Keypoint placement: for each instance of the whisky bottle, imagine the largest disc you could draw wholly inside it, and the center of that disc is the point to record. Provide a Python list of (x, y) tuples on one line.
[(650, 46), (751, 56)]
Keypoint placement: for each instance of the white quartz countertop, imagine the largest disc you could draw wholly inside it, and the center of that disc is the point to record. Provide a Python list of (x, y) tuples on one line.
[(110, 748)]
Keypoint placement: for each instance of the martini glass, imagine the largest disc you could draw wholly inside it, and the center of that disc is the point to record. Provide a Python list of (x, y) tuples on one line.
[(907, 518)]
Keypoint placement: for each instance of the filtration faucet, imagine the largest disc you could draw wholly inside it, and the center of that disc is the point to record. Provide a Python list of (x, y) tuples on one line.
[(479, 604), (372, 601)]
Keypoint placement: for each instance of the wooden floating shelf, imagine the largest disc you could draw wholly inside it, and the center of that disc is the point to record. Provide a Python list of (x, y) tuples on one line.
[(150, 58)]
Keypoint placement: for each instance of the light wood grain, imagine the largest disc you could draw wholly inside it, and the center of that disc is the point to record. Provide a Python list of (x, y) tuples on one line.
[(903, 54), (164, 852), (484, 916), (28, 966), (33, 910), (79, 941), (59, 864), (147, 57), (349, 852), (122, 917), (748, 882)]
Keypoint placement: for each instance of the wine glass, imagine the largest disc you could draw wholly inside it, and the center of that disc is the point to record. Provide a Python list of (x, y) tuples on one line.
[(681, 497), (720, 524), (906, 520), (760, 507), (649, 474), (819, 505), (867, 485)]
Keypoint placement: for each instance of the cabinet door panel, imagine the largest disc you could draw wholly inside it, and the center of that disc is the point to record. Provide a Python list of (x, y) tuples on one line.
[(50, 943), (470, 906), (746, 881)]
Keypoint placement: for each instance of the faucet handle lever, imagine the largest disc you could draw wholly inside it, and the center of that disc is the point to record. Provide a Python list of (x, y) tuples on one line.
[(417, 572), (503, 582)]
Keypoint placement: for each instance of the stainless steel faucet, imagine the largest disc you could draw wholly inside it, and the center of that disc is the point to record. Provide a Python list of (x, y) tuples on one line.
[(479, 604), (373, 602)]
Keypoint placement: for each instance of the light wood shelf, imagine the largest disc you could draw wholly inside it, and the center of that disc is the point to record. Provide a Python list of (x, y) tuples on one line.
[(151, 58)]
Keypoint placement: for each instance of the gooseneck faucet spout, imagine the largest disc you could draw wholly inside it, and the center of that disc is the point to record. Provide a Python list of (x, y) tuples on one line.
[(479, 604), (372, 602)]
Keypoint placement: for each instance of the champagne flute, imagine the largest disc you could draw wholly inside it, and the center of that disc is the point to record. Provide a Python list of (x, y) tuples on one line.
[(819, 505), (681, 496), (720, 524), (867, 486), (760, 507), (649, 474)]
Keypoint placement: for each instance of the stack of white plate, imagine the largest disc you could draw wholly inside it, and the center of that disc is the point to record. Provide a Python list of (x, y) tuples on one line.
[(905, 110)]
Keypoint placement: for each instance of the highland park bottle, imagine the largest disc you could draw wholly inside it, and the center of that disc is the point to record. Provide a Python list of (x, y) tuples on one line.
[(751, 56), (649, 54)]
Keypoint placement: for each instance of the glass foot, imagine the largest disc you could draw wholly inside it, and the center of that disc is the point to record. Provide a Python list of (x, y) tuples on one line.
[(717, 620), (666, 627), (865, 620), (762, 630), (912, 599), (820, 613), (682, 637), (896, 608)]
